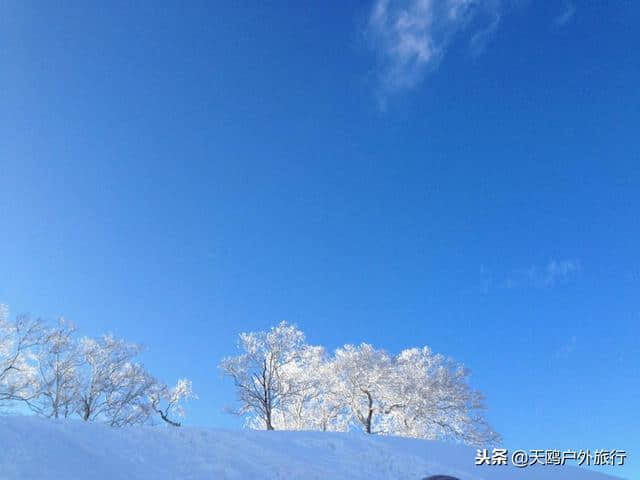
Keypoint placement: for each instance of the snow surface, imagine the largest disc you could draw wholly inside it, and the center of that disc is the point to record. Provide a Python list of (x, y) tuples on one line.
[(34, 448)]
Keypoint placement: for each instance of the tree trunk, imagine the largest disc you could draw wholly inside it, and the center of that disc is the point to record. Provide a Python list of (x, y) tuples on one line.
[(168, 420), (267, 396), (370, 413), (269, 425), (86, 410)]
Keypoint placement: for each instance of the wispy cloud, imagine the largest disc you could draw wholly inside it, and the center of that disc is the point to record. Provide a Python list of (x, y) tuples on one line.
[(410, 37), (566, 15), (547, 276), (481, 38), (555, 272)]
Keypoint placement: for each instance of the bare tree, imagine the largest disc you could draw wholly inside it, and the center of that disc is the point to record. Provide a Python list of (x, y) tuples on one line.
[(57, 376), (112, 386), (257, 373), (57, 360), (18, 380), (167, 402)]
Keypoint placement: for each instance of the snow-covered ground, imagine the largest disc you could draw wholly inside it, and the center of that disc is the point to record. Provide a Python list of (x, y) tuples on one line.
[(33, 448)]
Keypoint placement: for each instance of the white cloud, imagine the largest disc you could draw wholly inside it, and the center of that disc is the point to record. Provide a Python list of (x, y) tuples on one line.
[(480, 39), (544, 277), (410, 37), (566, 15), (555, 272)]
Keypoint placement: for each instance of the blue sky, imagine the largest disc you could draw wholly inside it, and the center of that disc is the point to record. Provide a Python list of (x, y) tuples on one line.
[(464, 179)]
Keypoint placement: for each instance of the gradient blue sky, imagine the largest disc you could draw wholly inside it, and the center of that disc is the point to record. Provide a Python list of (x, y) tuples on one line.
[(177, 174)]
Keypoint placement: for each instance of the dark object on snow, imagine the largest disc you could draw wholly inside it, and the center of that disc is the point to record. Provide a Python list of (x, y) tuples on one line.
[(440, 477)]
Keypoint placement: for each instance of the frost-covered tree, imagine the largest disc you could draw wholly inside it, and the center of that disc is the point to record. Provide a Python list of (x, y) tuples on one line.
[(435, 401), (167, 402), (112, 386), (414, 394), (367, 384), (258, 372), (58, 376), (283, 383), (57, 361), (314, 404), (18, 380)]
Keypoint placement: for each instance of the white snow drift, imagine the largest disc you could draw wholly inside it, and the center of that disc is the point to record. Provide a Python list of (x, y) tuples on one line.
[(33, 448)]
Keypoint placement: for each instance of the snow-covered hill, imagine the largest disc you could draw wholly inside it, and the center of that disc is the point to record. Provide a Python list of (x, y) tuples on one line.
[(37, 449)]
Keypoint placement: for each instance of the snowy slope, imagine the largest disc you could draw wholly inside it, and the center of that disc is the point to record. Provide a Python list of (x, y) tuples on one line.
[(32, 448)]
